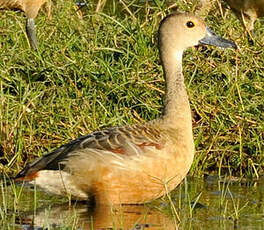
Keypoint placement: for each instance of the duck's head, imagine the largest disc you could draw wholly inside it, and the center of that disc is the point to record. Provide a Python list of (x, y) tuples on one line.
[(180, 31)]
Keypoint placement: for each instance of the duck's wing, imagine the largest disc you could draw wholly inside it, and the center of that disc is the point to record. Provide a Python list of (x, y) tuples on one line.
[(119, 141)]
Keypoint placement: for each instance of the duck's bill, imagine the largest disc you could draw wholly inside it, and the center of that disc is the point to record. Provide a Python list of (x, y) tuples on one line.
[(212, 39)]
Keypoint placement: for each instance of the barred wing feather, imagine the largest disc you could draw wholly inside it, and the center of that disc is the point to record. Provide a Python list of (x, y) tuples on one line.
[(120, 142)]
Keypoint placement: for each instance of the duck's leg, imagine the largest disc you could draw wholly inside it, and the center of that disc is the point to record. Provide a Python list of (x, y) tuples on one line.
[(31, 33)]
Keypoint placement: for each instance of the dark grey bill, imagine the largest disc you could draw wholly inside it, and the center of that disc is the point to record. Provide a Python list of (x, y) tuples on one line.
[(212, 39)]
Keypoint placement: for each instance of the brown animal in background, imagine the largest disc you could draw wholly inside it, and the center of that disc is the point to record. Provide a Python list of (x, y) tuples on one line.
[(31, 8), (251, 8)]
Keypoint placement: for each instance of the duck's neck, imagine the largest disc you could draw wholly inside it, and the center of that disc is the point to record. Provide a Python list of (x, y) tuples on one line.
[(177, 110)]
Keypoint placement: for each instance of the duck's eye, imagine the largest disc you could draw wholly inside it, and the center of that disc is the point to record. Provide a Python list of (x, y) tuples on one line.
[(190, 24)]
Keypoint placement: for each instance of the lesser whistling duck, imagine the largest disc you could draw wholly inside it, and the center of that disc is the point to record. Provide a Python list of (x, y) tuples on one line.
[(31, 8), (137, 163)]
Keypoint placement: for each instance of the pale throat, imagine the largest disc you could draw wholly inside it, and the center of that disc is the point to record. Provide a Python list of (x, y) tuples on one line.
[(178, 55), (176, 99)]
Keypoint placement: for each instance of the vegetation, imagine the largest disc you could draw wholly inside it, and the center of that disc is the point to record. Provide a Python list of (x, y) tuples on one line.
[(99, 69)]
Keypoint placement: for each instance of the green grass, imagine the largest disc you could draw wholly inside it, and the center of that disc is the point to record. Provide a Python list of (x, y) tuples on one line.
[(104, 70)]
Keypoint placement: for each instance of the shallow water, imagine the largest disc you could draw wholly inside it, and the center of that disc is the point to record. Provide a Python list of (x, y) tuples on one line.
[(200, 203)]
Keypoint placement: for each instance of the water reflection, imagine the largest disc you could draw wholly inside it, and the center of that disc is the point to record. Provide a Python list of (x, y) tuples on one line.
[(82, 217), (206, 203)]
